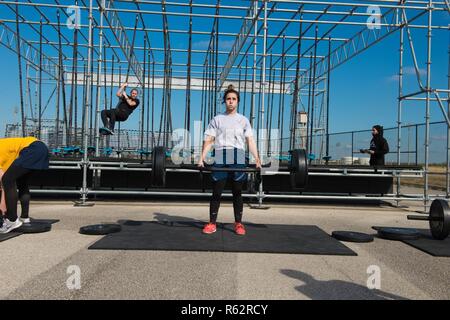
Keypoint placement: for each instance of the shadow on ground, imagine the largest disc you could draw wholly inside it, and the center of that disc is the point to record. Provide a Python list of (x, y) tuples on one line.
[(336, 289)]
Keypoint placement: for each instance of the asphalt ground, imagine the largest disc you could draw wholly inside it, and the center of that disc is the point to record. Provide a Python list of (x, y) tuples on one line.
[(43, 266)]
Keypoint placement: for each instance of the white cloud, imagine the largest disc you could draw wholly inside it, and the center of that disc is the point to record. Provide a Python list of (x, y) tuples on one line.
[(412, 71), (200, 44), (226, 45), (393, 78), (223, 45), (407, 71)]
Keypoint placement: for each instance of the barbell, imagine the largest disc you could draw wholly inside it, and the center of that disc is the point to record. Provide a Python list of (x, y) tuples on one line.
[(439, 219), (298, 168)]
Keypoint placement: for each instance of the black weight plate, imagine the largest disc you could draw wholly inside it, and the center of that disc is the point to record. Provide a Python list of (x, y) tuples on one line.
[(351, 236), (398, 233), (299, 169), (100, 229), (439, 219), (159, 167), (34, 227)]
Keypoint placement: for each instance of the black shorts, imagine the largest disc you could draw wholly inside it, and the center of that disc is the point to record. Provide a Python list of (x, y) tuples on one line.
[(34, 157)]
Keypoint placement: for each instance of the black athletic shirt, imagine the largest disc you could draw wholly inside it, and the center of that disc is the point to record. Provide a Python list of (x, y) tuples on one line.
[(124, 107), (381, 147)]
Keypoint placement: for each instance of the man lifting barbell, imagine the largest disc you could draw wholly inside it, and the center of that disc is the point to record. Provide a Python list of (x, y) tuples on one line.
[(228, 132)]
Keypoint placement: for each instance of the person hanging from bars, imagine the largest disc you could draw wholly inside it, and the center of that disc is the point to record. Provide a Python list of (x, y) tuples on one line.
[(228, 132), (127, 104), (19, 158), (378, 147)]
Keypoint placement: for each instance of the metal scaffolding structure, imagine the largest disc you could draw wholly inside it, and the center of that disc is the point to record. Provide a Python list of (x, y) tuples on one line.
[(280, 54)]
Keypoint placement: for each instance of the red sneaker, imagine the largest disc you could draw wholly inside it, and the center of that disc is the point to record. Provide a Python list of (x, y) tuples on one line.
[(209, 228), (239, 229)]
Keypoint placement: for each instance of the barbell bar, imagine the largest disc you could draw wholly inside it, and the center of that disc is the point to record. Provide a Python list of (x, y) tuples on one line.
[(298, 168)]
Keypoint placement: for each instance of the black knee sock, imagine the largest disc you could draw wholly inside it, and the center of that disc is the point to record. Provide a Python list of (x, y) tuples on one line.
[(215, 200), (9, 182), (212, 217), (1, 212), (238, 205), (24, 195)]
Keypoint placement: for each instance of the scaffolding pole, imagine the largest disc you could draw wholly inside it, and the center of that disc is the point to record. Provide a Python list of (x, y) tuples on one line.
[(85, 162)]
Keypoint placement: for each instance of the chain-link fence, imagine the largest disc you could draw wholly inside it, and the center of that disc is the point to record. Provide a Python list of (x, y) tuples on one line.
[(345, 146)]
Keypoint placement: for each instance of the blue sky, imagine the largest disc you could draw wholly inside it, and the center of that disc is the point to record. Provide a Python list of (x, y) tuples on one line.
[(363, 91)]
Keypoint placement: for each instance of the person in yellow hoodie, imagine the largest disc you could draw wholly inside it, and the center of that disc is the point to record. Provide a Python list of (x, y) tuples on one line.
[(19, 157)]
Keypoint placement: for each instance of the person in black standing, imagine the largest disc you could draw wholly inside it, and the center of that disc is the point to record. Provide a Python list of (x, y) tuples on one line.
[(378, 147), (124, 108)]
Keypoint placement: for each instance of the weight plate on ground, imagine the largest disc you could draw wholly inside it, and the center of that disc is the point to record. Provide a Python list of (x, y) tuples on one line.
[(159, 167), (34, 227), (352, 236), (299, 169), (100, 229), (398, 233), (439, 219)]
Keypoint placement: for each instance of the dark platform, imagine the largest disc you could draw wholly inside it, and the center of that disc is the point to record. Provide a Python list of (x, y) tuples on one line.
[(437, 248), (426, 243), (188, 236)]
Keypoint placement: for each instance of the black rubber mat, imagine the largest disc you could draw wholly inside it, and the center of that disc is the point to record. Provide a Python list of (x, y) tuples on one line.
[(426, 243), (188, 236), (13, 233), (6, 236)]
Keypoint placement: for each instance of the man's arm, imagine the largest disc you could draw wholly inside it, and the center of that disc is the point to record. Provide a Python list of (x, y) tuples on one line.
[(121, 90), (254, 151), (207, 144)]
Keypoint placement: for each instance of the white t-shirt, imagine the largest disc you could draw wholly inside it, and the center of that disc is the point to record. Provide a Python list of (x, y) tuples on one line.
[(229, 131)]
